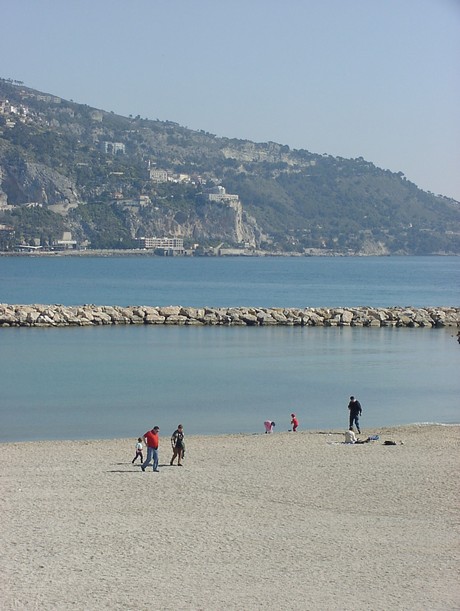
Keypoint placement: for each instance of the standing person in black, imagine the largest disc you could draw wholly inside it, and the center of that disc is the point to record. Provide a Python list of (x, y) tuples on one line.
[(178, 445), (355, 412)]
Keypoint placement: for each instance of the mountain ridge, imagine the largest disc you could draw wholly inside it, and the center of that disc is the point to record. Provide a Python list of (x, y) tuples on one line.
[(71, 167)]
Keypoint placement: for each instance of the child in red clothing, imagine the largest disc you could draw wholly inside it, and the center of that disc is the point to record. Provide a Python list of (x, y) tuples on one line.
[(294, 422)]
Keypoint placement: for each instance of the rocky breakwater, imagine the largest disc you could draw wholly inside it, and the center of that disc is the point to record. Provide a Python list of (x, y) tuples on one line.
[(92, 315)]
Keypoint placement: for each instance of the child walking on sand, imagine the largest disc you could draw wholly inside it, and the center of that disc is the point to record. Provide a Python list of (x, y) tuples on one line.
[(138, 451), (294, 422)]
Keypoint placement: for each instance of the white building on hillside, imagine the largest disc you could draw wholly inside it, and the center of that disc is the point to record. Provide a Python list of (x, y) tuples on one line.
[(170, 245)]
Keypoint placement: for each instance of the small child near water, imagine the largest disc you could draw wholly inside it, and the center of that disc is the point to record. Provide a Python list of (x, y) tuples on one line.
[(269, 425), (138, 451)]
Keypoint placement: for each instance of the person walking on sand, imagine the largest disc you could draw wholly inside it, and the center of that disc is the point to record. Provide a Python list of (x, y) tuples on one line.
[(294, 423), (152, 442), (355, 412), (139, 447), (178, 445), (269, 426)]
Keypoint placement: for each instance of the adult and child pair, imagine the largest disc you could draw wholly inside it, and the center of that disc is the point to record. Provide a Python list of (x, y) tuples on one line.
[(152, 442)]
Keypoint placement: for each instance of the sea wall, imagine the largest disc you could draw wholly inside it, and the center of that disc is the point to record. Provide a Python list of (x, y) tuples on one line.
[(90, 315)]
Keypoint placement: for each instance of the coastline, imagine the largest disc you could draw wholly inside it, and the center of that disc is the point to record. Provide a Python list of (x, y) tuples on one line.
[(286, 521), (201, 438), (259, 253)]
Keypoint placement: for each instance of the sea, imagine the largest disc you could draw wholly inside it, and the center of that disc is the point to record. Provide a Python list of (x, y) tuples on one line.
[(119, 381)]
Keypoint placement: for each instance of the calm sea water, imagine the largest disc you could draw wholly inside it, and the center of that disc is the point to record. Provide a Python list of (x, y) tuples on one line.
[(271, 281), (118, 381)]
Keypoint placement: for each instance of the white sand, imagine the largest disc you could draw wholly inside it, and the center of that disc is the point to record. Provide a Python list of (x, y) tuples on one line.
[(285, 521)]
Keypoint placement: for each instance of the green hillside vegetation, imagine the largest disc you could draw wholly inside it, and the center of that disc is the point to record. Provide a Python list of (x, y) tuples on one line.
[(52, 154)]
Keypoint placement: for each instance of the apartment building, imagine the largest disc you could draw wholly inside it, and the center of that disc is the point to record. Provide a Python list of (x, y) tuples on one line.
[(168, 245)]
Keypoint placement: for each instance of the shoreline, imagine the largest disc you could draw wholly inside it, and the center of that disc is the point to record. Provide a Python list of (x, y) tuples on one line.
[(244, 254), (287, 521), (373, 430)]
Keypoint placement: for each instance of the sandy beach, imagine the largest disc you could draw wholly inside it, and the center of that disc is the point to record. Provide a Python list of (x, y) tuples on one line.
[(284, 521)]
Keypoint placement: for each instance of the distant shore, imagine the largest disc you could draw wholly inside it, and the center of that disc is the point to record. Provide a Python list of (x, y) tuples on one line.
[(83, 253), (244, 253), (284, 521)]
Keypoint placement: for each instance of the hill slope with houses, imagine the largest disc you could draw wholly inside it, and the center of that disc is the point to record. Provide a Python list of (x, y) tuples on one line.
[(74, 176)]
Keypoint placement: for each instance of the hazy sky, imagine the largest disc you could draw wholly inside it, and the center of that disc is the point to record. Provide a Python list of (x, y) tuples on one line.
[(373, 78)]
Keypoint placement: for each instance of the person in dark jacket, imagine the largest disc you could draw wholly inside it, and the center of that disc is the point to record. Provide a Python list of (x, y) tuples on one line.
[(355, 412), (178, 445)]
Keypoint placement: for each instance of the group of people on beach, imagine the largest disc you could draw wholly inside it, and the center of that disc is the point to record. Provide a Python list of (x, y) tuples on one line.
[(270, 425), (152, 438), (355, 411), (152, 442)]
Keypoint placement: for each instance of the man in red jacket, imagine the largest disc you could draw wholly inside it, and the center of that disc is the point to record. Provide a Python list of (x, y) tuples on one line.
[(152, 441)]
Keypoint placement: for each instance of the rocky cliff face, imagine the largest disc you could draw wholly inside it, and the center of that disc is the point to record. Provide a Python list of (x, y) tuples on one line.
[(24, 182), (27, 182), (251, 152), (228, 221)]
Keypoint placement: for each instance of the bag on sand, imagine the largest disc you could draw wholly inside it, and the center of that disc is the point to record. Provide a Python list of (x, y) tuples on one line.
[(389, 443)]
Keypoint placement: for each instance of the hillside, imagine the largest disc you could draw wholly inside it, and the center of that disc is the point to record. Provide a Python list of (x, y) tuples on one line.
[(108, 179)]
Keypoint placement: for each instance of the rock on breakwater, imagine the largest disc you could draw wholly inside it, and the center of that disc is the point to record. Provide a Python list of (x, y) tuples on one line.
[(37, 315)]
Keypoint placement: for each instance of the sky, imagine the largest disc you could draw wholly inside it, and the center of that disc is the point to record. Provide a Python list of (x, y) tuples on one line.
[(378, 79)]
